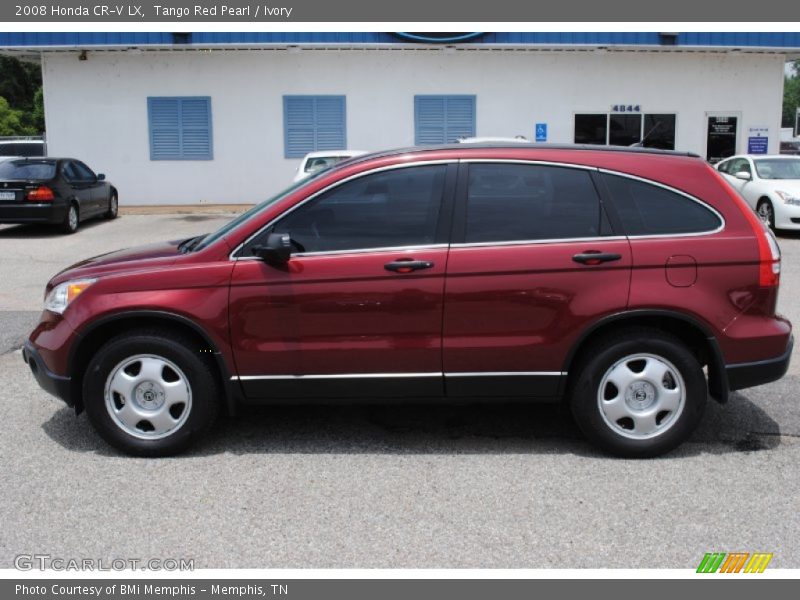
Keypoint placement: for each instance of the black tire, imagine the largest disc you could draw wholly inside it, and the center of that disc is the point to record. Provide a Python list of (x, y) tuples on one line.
[(766, 212), (113, 206), (71, 219), (660, 349), (203, 399)]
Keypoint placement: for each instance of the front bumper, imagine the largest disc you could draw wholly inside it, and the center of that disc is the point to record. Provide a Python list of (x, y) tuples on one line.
[(745, 375), (58, 386)]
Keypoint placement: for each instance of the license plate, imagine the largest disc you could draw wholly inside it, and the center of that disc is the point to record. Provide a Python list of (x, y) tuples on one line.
[(8, 196)]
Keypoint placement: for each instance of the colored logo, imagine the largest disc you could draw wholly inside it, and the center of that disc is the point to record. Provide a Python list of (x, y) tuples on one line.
[(734, 562)]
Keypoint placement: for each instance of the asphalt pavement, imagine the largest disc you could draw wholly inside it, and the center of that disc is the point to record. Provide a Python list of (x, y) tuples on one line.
[(395, 486)]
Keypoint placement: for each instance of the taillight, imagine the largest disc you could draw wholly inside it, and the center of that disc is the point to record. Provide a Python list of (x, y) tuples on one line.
[(40, 194), (769, 254)]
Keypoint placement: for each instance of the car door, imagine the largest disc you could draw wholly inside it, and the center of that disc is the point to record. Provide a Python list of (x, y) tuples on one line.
[(80, 187), (357, 310), (534, 261), (97, 188), (743, 186)]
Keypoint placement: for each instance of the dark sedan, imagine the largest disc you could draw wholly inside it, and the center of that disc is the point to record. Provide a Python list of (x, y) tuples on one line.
[(55, 191)]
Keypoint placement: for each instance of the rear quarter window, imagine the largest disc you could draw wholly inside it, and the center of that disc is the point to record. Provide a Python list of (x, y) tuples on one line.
[(649, 209)]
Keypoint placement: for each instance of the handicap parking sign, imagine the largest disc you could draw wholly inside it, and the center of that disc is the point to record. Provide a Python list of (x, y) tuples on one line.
[(541, 132)]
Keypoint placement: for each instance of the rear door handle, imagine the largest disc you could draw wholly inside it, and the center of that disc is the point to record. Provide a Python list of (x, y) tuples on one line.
[(407, 265), (592, 257)]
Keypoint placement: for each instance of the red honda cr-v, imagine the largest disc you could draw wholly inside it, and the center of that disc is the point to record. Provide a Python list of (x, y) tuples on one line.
[(605, 277)]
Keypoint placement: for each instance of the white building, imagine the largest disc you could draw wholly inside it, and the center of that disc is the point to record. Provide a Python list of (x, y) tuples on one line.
[(225, 118)]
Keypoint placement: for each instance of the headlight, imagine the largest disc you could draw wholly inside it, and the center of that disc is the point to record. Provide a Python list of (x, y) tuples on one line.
[(788, 197), (61, 296)]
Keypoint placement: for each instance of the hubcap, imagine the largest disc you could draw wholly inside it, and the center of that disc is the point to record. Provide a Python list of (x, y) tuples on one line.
[(114, 205), (148, 396), (73, 218), (641, 396)]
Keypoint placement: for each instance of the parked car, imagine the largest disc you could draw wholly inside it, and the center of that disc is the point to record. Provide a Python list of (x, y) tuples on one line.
[(55, 191), (790, 147), (611, 279), (770, 184), (316, 161), (519, 139), (19, 147)]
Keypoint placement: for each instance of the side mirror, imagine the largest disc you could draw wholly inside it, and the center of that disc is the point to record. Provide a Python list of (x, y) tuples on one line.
[(101, 177), (277, 250), (743, 175)]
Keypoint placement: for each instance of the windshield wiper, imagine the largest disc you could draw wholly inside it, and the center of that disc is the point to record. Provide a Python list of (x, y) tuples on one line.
[(190, 244)]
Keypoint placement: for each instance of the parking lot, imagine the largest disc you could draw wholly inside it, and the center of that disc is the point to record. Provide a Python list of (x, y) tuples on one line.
[(400, 486)]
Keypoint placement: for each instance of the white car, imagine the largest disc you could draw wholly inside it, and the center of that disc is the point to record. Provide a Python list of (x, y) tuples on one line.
[(314, 161), (520, 139), (770, 184)]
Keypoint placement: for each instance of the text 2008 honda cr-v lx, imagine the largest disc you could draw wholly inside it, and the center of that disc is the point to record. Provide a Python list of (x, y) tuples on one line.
[(606, 278)]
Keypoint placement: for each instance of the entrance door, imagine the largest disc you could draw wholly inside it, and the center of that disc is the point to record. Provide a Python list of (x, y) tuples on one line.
[(722, 132)]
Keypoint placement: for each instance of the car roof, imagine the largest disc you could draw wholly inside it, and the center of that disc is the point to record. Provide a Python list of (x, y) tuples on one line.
[(760, 156)]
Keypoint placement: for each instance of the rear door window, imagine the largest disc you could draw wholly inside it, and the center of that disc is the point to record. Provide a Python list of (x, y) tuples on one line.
[(648, 209), (514, 202)]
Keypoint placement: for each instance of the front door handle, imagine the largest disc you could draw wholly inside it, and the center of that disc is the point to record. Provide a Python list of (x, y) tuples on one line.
[(407, 265), (593, 257)]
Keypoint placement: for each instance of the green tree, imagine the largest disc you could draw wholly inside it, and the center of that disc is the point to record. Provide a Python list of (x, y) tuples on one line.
[(791, 95), (21, 109), (37, 114), (19, 81), (12, 121)]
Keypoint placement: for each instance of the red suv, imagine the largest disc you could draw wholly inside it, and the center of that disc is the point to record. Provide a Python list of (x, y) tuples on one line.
[(609, 278)]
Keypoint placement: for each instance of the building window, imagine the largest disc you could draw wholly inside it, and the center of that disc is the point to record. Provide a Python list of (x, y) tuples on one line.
[(659, 131), (591, 129), (312, 123), (443, 119), (651, 130), (180, 128)]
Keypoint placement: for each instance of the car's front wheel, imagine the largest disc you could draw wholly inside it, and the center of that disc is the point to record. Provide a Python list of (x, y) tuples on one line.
[(150, 393), (113, 207), (639, 393)]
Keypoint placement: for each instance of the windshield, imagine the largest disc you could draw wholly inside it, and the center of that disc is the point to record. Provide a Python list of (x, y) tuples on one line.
[(781, 168), (25, 170), (248, 214)]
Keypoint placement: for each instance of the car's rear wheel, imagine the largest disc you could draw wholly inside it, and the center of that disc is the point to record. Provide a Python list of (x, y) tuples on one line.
[(639, 393), (766, 212), (71, 219), (150, 393), (113, 207)]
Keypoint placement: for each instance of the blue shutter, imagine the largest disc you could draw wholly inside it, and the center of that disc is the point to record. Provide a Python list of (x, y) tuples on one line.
[(443, 119), (313, 123), (180, 128)]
